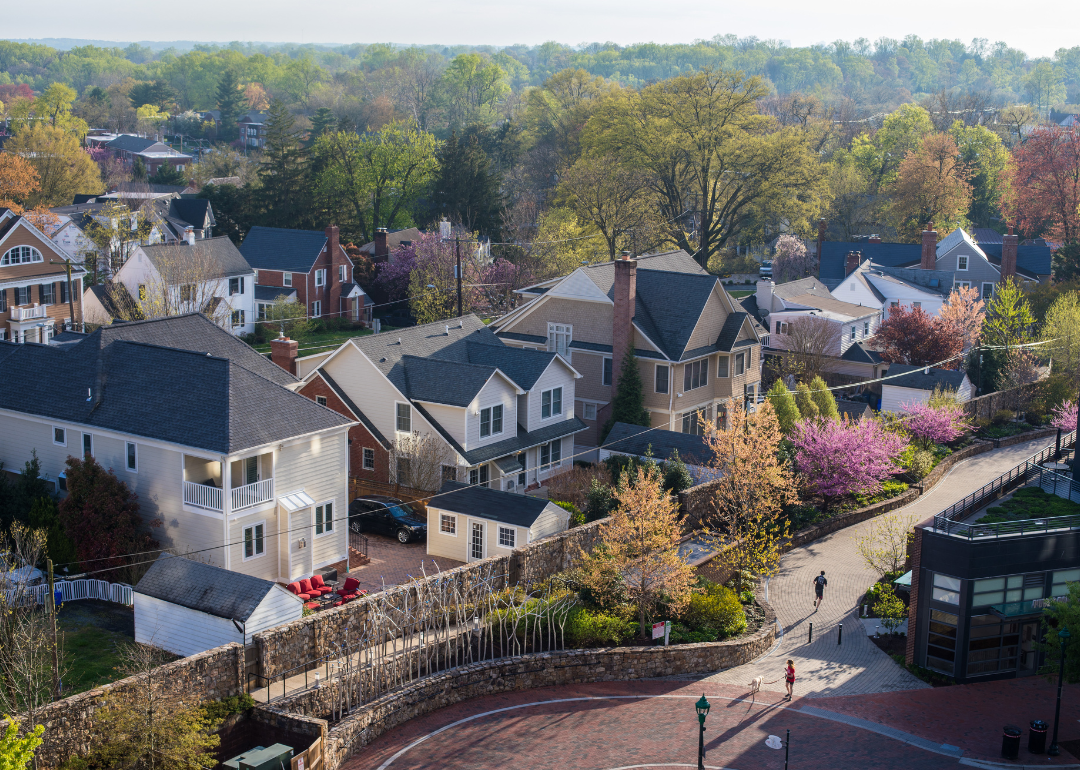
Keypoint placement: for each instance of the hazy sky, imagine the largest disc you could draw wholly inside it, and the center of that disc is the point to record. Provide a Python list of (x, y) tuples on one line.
[(1036, 26)]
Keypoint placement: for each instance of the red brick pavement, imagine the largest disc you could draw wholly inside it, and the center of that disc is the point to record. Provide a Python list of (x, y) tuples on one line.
[(393, 563), (616, 732)]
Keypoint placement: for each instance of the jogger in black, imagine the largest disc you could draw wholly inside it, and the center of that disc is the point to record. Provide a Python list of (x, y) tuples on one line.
[(819, 589)]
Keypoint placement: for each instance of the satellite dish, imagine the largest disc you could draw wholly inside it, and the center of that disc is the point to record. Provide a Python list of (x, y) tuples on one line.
[(774, 742)]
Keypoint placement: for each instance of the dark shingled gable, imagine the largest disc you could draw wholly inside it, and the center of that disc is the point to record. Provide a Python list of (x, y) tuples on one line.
[(506, 507), (204, 587), (636, 440), (276, 248), (914, 377)]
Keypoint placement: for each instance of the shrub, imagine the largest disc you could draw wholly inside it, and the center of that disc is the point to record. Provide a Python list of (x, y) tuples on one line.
[(577, 518), (680, 634), (1035, 418), (802, 515), (1002, 416), (217, 710), (599, 501), (982, 422), (676, 475), (716, 610), (585, 628), (922, 462)]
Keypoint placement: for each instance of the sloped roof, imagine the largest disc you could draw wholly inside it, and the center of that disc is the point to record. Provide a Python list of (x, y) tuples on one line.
[(854, 410), (129, 143), (522, 366), (394, 239), (861, 352), (833, 306), (523, 440), (204, 587), (221, 250), (277, 248), (726, 341), (197, 212), (1032, 258), (915, 378), (636, 440), (506, 507), (986, 235), (271, 293), (800, 287), (438, 381)]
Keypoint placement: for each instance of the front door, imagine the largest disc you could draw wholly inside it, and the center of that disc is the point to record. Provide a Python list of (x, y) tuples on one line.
[(1029, 655), (476, 542)]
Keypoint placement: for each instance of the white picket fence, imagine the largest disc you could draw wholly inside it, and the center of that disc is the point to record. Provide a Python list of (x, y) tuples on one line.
[(73, 590)]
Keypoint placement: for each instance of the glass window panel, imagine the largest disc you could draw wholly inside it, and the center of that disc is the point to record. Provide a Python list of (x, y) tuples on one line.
[(1067, 576), (944, 581), (1014, 596), (989, 584), (948, 597), (1031, 593), (1015, 581), (944, 617)]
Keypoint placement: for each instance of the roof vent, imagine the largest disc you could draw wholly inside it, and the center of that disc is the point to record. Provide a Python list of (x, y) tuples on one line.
[(448, 330), (382, 360)]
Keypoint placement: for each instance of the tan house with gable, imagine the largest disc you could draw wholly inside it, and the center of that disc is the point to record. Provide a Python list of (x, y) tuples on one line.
[(697, 348)]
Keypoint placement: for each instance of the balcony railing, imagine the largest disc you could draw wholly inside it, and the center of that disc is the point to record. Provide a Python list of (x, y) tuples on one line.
[(202, 496), (28, 313), (252, 494)]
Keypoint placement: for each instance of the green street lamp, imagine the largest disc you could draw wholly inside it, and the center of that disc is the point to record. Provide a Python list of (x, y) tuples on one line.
[(1063, 636), (702, 707)]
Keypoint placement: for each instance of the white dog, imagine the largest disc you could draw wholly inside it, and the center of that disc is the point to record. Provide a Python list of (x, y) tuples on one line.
[(755, 685)]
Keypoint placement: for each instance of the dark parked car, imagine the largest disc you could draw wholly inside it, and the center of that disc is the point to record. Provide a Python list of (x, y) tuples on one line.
[(386, 516)]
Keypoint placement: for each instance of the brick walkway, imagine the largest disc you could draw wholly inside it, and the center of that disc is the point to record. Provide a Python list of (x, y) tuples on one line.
[(857, 666), (393, 563)]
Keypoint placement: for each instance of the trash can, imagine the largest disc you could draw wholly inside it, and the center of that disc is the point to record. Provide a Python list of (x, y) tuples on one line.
[(1010, 742), (1037, 736)]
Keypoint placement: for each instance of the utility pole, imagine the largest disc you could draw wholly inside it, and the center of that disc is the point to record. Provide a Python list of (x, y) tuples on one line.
[(457, 272), (52, 618), (71, 298)]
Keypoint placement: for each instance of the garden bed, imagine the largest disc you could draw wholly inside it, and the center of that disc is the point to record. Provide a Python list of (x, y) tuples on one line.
[(1029, 503)]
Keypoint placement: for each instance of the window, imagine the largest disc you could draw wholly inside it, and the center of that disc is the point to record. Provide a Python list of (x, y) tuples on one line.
[(449, 473), (607, 371), (132, 455), (988, 291), (320, 277), (559, 338), (48, 294), (403, 468), (778, 327), (236, 286), (404, 418), (88, 444), (992, 645), (61, 481), (866, 328), (479, 476), (1061, 580), (963, 283), (324, 518), (320, 400), (255, 277), (1013, 588), (341, 273), (853, 332), (551, 454), (253, 541), (941, 642), (916, 304), (946, 589), (588, 411), (961, 262), (22, 295), (286, 279), (238, 318), (722, 367), (316, 309), (740, 363), (506, 536), (21, 255), (694, 422), (369, 459), (750, 392), (3, 301), (260, 311), (491, 420), (187, 292), (662, 372), (696, 374), (550, 403), (59, 436), (448, 524)]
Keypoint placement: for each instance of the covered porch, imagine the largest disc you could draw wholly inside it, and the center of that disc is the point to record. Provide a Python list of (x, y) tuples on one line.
[(250, 482)]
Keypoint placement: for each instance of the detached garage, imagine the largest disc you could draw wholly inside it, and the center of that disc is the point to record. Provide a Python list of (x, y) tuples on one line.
[(917, 383), (187, 607)]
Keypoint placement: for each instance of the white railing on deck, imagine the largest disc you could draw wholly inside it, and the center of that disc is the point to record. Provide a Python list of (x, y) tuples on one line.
[(72, 590), (202, 496), (252, 494), (27, 313)]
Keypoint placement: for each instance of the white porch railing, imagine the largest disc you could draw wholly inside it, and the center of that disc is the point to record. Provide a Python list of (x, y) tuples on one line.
[(202, 496), (27, 313), (252, 494)]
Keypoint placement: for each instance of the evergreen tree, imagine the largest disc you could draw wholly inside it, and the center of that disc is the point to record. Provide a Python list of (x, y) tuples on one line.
[(629, 403), (805, 402), (787, 413), (168, 174), (322, 122), (283, 172), (823, 399), (468, 190), (138, 170), (230, 101)]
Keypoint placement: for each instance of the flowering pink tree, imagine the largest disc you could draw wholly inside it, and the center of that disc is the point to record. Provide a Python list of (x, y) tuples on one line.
[(934, 424), (845, 458), (393, 276), (791, 260), (1065, 416)]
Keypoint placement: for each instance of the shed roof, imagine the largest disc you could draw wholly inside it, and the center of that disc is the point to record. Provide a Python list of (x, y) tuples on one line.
[(506, 507), (914, 377), (204, 587), (636, 440)]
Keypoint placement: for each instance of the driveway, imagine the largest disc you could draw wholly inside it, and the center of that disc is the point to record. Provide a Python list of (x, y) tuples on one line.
[(393, 563)]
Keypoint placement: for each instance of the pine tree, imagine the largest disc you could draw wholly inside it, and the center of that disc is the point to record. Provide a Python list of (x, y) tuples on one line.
[(322, 122), (787, 413), (230, 101), (467, 189), (805, 402), (823, 399), (629, 403), (283, 172)]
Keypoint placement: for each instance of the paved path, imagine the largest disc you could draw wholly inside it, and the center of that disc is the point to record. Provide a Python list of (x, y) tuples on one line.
[(824, 668)]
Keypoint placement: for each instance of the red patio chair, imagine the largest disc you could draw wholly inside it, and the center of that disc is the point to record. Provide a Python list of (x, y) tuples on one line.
[(305, 588), (317, 584), (295, 588), (311, 605), (349, 590)]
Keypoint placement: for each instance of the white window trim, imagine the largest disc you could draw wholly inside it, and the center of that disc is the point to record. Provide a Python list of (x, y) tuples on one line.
[(127, 445), (316, 308), (286, 280), (656, 371), (453, 520), (513, 536), (243, 540), (320, 400), (343, 273), (83, 447), (325, 531), (967, 262), (320, 277), (585, 411), (480, 424), (553, 414), (363, 454), (402, 403), (553, 329), (59, 443)]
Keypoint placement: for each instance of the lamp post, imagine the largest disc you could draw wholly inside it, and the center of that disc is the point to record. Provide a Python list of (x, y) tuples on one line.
[(702, 707), (1064, 636)]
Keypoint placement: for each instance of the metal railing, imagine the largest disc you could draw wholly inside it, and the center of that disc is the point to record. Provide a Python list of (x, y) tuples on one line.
[(203, 496), (251, 494), (358, 542)]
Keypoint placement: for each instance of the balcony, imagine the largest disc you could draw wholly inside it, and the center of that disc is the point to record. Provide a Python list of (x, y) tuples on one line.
[(28, 313), (203, 496), (251, 494)]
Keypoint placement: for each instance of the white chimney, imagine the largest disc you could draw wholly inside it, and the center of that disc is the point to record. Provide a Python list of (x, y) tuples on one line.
[(189, 235), (764, 296), (444, 229)]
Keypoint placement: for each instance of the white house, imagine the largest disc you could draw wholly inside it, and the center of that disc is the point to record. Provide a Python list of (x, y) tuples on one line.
[(884, 288), (187, 607), (780, 306), (469, 523), (917, 383)]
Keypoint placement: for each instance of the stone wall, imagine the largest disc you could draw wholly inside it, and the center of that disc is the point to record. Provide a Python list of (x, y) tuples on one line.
[(945, 465), (69, 723), (1022, 438), (812, 533)]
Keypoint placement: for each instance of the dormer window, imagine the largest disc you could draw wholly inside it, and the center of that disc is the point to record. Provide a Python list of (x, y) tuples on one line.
[(21, 255), (559, 337)]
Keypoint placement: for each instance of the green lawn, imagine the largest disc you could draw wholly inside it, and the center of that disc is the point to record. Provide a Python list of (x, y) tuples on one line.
[(741, 293), (1030, 503)]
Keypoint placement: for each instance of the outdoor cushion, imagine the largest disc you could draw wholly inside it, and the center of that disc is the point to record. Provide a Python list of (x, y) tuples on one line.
[(305, 587), (348, 591), (311, 606), (295, 588), (317, 584)]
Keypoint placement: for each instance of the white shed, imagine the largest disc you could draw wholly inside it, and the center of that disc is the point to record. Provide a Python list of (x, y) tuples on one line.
[(187, 607), (468, 523), (917, 383)]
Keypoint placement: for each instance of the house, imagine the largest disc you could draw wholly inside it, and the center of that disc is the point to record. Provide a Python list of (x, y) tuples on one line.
[(309, 263), (978, 264), (854, 410), (207, 276), (885, 288), (253, 126), (143, 191), (501, 416), (187, 607), (469, 523), (36, 299), (917, 383), (387, 241), (697, 349), (639, 442), (154, 154), (781, 306), (861, 360), (227, 461)]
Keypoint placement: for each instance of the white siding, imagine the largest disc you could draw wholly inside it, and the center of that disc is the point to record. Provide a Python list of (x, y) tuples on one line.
[(556, 375), (495, 391), (452, 418), (265, 566), (894, 397), (307, 364), (180, 630), (442, 544), (551, 521), (319, 467), (278, 607)]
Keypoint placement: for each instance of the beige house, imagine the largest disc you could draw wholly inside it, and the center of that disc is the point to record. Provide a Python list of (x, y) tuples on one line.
[(469, 523), (697, 349)]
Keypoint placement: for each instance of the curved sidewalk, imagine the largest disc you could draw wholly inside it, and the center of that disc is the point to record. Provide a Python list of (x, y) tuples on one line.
[(857, 666)]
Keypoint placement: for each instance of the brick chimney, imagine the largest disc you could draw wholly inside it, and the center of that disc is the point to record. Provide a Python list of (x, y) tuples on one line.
[(929, 248), (852, 262), (332, 248), (382, 245), (622, 324), (1008, 254), (283, 353), (875, 238)]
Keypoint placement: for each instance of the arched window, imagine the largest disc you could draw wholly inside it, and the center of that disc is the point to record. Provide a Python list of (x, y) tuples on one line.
[(21, 255)]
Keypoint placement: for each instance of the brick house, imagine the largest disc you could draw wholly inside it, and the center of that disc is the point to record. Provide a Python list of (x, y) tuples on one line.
[(34, 290), (309, 264), (154, 154)]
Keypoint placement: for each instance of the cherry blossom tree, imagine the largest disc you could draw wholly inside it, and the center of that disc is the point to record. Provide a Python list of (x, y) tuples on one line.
[(845, 458), (934, 424), (791, 261), (1065, 416), (962, 315)]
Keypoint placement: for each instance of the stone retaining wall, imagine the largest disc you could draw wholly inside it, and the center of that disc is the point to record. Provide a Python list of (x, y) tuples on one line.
[(943, 467), (1022, 438)]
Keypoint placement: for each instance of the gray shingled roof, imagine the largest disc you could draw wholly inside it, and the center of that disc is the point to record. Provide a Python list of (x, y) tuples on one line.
[(130, 143), (271, 293), (636, 440), (506, 507), (524, 440), (197, 212), (221, 250), (861, 352), (276, 248), (204, 587), (440, 381), (914, 377), (725, 342)]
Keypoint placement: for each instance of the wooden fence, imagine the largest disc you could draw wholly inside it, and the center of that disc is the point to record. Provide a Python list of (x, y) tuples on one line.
[(309, 759), (359, 487)]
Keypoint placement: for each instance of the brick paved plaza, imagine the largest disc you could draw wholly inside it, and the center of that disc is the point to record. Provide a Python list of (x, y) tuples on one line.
[(393, 563)]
